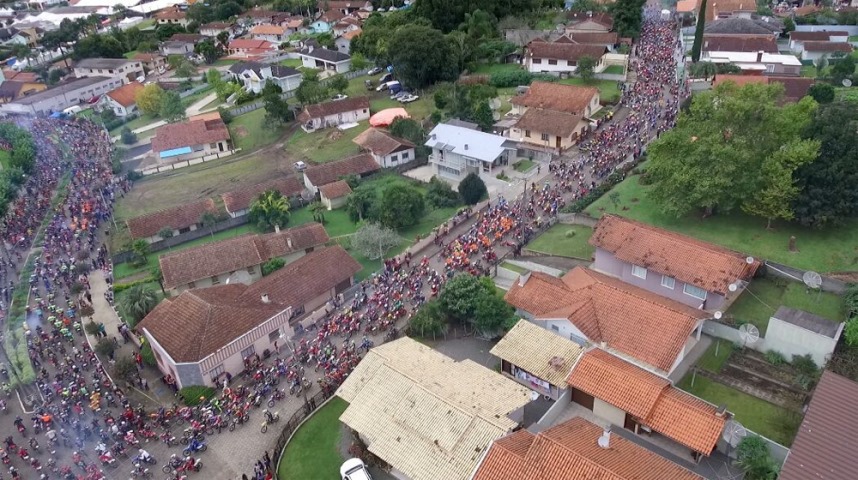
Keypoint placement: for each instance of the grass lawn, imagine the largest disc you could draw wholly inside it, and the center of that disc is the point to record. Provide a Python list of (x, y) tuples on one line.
[(138, 122), (314, 450), (290, 62), (615, 70), (5, 158), (712, 361), (608, 90), (148, 23), (196, 96), (767, 419), (492, 68), (524, 165), (764, 295), (223, 62), (326, 145), (249, 131), (808, 71), (514, 268), (337, 222), (556, 241), (828, 250)]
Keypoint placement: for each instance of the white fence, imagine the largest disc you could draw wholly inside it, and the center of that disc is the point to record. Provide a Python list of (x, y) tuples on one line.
[(185, 163)]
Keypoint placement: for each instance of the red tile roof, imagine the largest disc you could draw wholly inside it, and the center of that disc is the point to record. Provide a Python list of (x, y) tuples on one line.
[(592, 38), (217, 258), (827, 47), (333, 107), (331, 172), (570, 451), (816, 36), (825, 445), (335, 190), (631, 320), (702, 264), (602, 19), (241, 199), (126, 95), (740, 43), (380, 142), (177, 218), (247, 43), (571, 52), (556, 96), (189, 133)]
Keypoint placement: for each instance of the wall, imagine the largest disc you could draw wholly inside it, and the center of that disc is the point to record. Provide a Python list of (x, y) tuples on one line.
[(852, 29), (184, 237), (606, 411), (577, 219), (189, 374), (339, 118), (794, 274), (185, 163), (564, 328), (790, 340), (555, 410)]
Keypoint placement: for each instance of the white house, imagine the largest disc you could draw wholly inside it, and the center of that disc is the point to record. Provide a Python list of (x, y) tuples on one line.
[(560, 58), (324, 59), (127, 70), (123, 100), (797, 39), (458, 151), (334, 112), (254, 76), (62, 96), (770, 63), (272, 33), (344, 41), (386, 150), (816, 50)]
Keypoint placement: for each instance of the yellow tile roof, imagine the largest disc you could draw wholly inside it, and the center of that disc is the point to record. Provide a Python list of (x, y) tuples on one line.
[(539, 351)]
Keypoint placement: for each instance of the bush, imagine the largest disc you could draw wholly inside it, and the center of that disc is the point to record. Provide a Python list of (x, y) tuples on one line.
[(440, 194), (191, 395), (91, 327), (579, 205), (147, 355), (775, 358), (510, 79), (850, 298), (428, 322), (472, 189), (272, 266), (124, 369), (128, 137), (570, 233), (805, 364), (755, 459), (119, 287), (104, 346), (225, 115)]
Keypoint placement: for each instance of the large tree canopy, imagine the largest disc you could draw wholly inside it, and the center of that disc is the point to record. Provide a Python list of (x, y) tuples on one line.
[(422, 56), (731, 146)]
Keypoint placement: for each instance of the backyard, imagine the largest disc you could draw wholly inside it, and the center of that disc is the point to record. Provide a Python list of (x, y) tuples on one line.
[(313, 451), (564, 241), (828, 250), (326, 145), (250, 131), (609, 92)]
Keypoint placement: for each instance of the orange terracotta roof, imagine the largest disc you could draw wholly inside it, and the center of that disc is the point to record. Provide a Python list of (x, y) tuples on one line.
[(687, 420), (241, 198), (352, 34), (570, 451), (702, 264), (727, 7), (555, 96), (335, 190), (267, 30), (179, 217), (631, 320), (126, 95)]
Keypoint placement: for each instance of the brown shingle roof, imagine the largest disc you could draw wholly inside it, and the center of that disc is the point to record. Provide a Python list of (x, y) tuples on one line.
[(825, 445), (631, 320), (816, 36), (331, 172), (570, 451), (827, 47), (306, 278), (336, 189), (380, 142), (740, 43), (548, 121), (126, 95), (675, 414), (702, 264), (556, 96), (727, 7), (147, 57), (592, 38), (198, 323), (352, 34), (177, 218), (225, 256), (170, 14), (571, 52), (242, 198), (602, 19), (187, 37), (333, 107), (190, 133)]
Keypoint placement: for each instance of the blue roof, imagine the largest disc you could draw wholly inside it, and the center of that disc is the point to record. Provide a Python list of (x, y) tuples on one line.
[(175, 152)]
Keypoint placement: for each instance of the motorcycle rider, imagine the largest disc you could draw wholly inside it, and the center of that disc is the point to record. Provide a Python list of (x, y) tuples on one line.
[(144, 456)]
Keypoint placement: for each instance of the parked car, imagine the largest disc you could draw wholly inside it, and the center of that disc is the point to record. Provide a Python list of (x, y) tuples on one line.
[(375, 71), (400, 94), (387, 77), (354, 469), (409, 99), (387, 85), (340, 96), (300, 166)]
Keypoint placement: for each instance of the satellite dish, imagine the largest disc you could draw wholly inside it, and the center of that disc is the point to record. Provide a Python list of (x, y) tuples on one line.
[(734, 432), (733, 287), (846, 82), (718, 315), (812, 279), (749, 260), (749, 333)]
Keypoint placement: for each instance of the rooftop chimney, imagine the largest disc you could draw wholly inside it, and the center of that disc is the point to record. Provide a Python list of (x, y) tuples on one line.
[(289, 242), (605, 440), (522, 279), (265, 298), (603, 345), (760, 56)]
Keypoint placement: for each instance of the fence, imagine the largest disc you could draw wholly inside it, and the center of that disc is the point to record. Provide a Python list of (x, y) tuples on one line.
[(185, 163), (577, 219), (184, 237), (794, 274), (297, 419)]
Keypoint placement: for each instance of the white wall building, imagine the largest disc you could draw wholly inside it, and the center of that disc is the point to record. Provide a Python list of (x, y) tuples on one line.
[(458, 151)]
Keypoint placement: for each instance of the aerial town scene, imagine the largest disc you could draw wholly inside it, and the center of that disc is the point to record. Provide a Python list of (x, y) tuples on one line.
[(429, 239)]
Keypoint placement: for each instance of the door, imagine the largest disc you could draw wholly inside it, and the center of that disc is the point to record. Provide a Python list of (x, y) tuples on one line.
[(583, 399), (558, 142), (630, 423)]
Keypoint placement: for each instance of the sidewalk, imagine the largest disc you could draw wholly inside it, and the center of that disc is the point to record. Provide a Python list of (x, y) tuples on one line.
[(197, 107)]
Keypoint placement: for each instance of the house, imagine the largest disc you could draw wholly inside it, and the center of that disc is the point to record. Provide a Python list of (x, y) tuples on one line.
[(552, 116), (324, 59), (609, 40), (742, 26), (344, 41), (197, 137), (231, 322), (347, 7), (172, 16), (588, 306), (757, 63), (797, 39), (294, 25), (272, 33), (180, 219), (127, 70), (237, 202), (319, 175), (151, 62), (684, 269), (345, 25), (250, 48), (559, 58), (589, 22), (425, 414), (795, 88), (458, 151), (238, 259), (11, 90), (333, 195), (630, 397), (796, 332), (574, 450), (537, 358), (826, 438), (326, 21), (728, 8), (815, 50), (213, 29), (180, 44), (387, 150), (123, 100), (739, 43), (254, 76), (62, 96), (334, 112), (259, 16), (28, 36)]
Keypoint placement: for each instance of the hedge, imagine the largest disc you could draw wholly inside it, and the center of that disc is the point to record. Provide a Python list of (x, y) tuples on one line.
[(148, 355), (579, 205), (191, 395), (119, 287)]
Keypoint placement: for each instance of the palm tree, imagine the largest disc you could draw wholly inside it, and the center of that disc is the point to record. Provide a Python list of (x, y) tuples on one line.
[(318, 212), (141, 251), (137, 302), (270, 210)]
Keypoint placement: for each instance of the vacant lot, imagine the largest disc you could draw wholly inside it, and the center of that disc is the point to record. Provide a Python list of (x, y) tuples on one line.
[(564, 241), (250, 132), (327, 145)]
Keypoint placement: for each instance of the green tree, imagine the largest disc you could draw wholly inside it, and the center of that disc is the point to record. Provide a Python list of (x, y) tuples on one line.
[(209, 220), (428, 321), (755, 459), (401, 205), (409, 129), (421, 56), (272, 266), (440, 194), (360, 204), (844, 67), (821, 92), (472, 301), (697, 46), (585, 68), (209, 50), (98, 46), (127, 136), (137, 302), (311, 90), (851, 331), (359, 62), (374, 240), (472, 189), (172, 108), (483, 116), (628, 15), (269, 210), (149, 99), (338, 83), (276, 108), (140, 248)]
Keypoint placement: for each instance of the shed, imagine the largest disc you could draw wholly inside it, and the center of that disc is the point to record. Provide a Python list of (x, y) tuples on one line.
[(334, 195), (796, 332)]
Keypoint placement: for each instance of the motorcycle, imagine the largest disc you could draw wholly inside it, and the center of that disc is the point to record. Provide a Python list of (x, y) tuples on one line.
[(107, 460), (144, 458), (140, 472), (194, 447), (270, 418)]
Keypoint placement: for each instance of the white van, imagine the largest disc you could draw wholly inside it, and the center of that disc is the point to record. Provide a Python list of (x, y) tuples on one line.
[(73, 110)]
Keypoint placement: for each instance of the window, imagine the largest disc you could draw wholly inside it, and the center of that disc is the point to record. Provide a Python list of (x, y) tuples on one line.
[(552, 62), (639, 272), (667, 282), (192, 285), (555, 328), (404, 155), (693, 291), (544, 137), (213, 145), (274, 335), (251, 271), (215, 280), (394, 158), (537, 61), (248, 352), (527, 133), (216, 371)]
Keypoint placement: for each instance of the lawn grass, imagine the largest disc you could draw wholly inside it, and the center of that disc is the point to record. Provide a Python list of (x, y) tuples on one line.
[(712, 361), (764, 295), (808, 71), (764, 418), (148, 23), (493, 68), (196, 96), (827, 250), (608, 90), (140, 121), (290, 62), (249, 131), (337, 222), (326, 145), (615, 70), (223, 62), (853, 38), (524, 165), (131, 54), (514, 268), (313, 451), (555, 241)]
